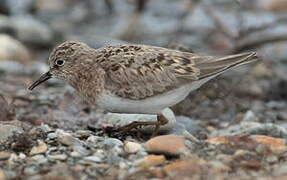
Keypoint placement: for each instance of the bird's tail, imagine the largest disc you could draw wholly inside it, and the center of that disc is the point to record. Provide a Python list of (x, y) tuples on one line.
[(212, 66)]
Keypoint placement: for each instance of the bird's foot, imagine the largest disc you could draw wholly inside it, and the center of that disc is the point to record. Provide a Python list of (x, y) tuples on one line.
[(161, 120)]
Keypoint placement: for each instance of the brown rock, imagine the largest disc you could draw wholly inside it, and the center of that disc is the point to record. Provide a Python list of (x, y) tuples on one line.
[(167, 144), (12, 49), (151, 160), (41, 148), (186, 168)]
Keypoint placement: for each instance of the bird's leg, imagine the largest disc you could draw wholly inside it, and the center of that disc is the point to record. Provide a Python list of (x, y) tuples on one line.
[(161, 120)]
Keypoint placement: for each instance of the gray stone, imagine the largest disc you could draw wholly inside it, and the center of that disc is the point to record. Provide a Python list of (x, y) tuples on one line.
[(250, 116), (60, 157), (112, 142), (29, 170), (40, 159), (95, 159)]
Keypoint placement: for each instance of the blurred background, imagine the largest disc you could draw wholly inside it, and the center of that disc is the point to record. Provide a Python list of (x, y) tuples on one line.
[(29, 29)]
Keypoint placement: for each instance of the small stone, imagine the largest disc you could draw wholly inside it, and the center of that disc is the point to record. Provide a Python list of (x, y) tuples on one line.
[(132, 147), (93, 139), (30, 170), (4, 155), (41, 148), (68, 140), (83, 133), (167, 144), (79, 151), (52, 136), (190, 166), (95, 159), (112, 142), (272, 159), (45, 128), (150, 160), (60, 157), (250, 116), (218, 165), (40, 159)]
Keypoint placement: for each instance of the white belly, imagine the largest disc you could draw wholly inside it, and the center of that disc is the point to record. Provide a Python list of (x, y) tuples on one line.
[(151, 105)]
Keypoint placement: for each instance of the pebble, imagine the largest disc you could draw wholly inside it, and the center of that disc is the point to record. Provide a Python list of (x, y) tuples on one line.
[(95, 159), (60, 157), (272, 159), (68, 140), (30, 170), (190, 166), (132, 147), (220, 166), (112, 143), (79, 151), (150, 160), (40, 159), (167, 144), (250, 116), (83, 133), (52, 136), (41, 148)]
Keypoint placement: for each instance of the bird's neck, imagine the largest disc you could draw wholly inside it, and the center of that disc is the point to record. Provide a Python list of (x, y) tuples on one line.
[(89, 83)]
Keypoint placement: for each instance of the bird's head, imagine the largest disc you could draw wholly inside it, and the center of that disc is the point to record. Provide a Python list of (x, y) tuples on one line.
[(65, 61)]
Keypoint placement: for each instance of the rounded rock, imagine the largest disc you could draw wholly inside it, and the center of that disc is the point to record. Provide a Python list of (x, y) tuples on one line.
[(132, 147), (167, 144)]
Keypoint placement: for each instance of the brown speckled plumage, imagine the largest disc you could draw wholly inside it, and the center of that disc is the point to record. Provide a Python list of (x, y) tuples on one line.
[(134, 74)]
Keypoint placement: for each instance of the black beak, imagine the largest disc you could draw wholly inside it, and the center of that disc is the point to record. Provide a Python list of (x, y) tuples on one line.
[(43, 78)]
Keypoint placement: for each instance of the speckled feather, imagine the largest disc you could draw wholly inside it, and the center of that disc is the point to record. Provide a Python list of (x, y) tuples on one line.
[(134, 71)]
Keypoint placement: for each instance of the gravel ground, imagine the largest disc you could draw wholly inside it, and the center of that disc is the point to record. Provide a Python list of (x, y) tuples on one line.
[(234, 127)]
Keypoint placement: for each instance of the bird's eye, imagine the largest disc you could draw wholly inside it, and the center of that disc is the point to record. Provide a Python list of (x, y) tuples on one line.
[(60, 62)]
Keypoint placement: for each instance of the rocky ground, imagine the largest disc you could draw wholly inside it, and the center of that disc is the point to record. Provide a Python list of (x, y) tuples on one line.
[(234, 127)]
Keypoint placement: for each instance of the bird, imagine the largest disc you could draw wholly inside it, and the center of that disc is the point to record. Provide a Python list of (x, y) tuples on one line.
[(136, 79)]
